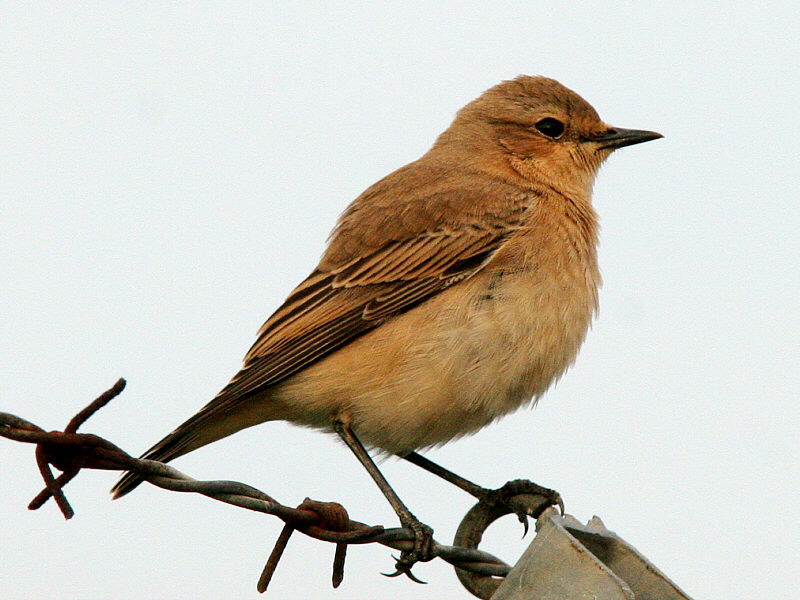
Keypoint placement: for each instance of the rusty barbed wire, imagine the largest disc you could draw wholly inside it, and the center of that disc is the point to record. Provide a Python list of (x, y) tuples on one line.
[(70, 451)]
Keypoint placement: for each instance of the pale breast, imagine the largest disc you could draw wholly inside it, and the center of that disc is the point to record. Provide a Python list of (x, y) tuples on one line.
[(527, 326)]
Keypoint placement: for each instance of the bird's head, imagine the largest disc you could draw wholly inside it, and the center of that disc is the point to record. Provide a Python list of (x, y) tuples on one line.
[(541, 130)]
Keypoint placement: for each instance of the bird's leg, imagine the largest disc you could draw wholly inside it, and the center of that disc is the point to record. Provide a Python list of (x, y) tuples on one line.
[(423, 534), (501, 494), (458, 481)]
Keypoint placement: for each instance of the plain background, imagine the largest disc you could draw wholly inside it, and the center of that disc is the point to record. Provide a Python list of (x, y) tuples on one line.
[(170, 171)]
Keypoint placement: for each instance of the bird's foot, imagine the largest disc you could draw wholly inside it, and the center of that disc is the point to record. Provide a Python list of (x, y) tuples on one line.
[(421, 552), (523, 498)]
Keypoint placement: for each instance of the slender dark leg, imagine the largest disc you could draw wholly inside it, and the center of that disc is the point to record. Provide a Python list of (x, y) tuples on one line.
[(502, 495), (424, 535), (458, 481)]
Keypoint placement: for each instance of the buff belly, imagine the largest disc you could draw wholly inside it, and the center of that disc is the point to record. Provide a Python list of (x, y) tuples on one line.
[(480, 350)]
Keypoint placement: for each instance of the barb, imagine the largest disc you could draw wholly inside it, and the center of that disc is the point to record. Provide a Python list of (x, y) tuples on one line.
[(70, 451)]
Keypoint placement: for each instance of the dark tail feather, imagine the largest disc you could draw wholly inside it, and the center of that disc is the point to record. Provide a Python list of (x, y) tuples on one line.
[(172, 446), (219, 418), (190, 435), (128, 482)]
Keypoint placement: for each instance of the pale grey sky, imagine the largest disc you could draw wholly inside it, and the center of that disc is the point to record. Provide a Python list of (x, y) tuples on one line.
[(171, 170)]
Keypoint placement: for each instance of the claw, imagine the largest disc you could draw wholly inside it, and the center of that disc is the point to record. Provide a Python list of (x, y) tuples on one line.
[(422, 551), (413, 578), (404, 568), (395, 574), (398, 571), (503, 494), (561, 508), (523, 518)]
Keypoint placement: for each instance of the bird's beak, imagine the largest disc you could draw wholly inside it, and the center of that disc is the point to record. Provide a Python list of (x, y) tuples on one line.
[(616, 137)]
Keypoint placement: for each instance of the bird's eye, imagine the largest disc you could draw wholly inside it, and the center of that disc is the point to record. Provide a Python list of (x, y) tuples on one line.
[(552, 128)]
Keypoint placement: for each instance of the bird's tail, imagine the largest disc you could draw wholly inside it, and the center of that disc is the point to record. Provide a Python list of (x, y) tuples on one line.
[(172, 446), (208, 425)]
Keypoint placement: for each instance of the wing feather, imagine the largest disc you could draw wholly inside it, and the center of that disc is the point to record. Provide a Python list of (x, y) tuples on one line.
[(332, 308)]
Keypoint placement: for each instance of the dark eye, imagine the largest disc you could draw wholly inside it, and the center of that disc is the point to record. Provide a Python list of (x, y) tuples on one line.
[(552, 128)]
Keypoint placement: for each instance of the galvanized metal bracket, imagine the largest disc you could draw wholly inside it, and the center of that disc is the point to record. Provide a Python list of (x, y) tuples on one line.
[(568, 560), (565, 561)]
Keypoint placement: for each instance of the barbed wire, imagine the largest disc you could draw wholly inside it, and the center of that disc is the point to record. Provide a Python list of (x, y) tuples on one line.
[(70, 451)]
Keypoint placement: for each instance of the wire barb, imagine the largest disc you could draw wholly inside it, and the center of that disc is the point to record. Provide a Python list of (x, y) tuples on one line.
[(338, 564), (274, 558), (70, 451)]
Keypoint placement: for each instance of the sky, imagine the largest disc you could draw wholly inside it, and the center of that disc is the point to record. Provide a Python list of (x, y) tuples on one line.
[(171, 171)]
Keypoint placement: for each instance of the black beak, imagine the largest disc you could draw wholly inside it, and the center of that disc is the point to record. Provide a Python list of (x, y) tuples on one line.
[(617, 137)]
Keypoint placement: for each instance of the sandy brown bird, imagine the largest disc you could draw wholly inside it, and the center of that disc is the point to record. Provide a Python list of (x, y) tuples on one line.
[(452, 292)]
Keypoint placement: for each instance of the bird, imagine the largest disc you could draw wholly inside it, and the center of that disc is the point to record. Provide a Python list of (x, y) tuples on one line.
[(452, 292)]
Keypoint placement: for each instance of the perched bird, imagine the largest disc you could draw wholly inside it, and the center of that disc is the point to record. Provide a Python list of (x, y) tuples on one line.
[(452, 292)]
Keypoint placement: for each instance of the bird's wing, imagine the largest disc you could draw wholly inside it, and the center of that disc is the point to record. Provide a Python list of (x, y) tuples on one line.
[(331, 308), (360, 283), (334, 306)]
